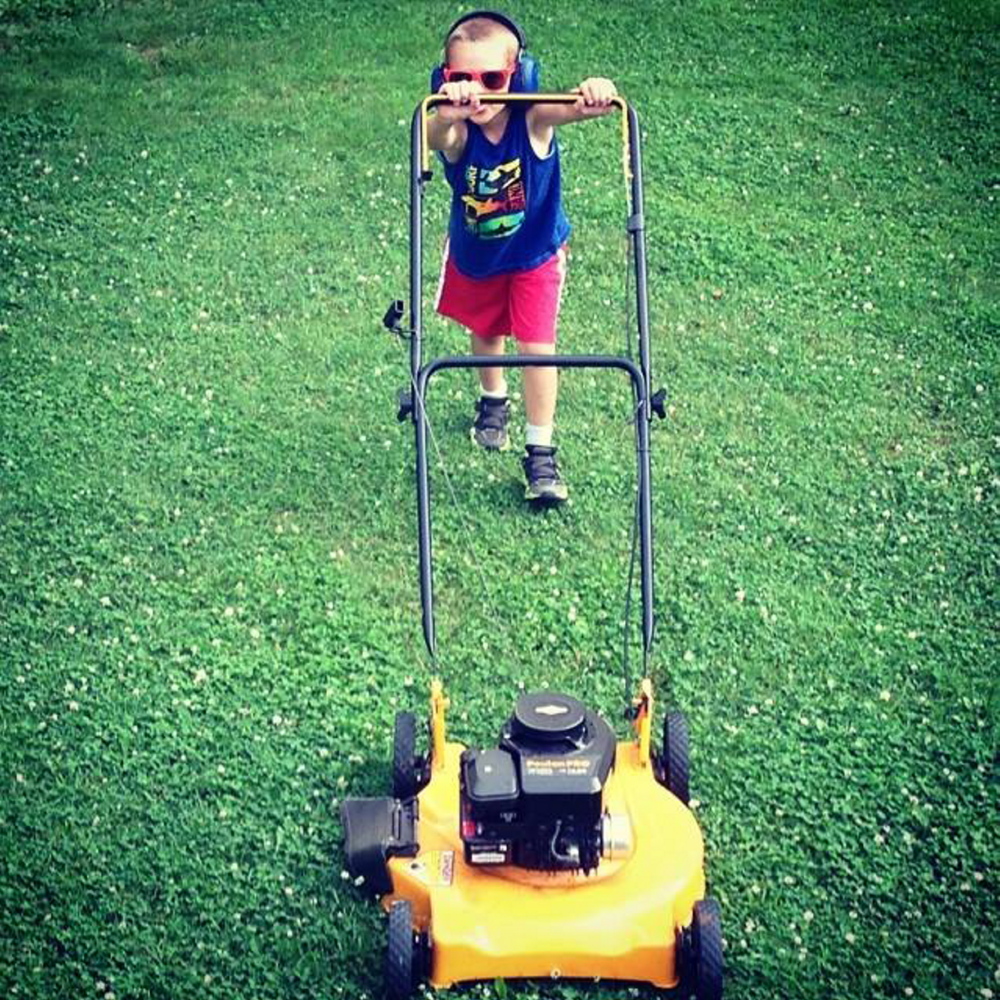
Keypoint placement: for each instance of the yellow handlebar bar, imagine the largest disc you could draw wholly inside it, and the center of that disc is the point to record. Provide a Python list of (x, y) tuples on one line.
[(434, 99)]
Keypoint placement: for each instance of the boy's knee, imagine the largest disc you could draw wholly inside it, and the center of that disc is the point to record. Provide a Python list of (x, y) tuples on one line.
[(535, 347)]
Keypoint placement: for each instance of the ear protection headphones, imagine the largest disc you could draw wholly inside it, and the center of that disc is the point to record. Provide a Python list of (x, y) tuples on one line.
[(526, 77)]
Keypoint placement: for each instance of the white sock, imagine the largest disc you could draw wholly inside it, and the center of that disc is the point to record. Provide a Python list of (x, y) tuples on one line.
[(499, 393), (538, 435)]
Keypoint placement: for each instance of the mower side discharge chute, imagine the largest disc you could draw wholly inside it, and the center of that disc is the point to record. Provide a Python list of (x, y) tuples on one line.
[(376, 830)]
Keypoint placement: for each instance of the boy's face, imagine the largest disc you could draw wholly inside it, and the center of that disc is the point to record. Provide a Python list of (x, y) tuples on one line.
[(490, 53)]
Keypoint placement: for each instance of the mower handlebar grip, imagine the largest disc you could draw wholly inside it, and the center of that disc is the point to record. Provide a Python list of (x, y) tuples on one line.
[(432, 100)]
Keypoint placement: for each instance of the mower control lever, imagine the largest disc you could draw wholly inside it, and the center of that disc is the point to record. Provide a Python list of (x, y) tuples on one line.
[(659, 403), (393, 315), (405, 399)]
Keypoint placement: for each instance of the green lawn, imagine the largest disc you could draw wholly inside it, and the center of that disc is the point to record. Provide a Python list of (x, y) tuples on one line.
[(208, 596)]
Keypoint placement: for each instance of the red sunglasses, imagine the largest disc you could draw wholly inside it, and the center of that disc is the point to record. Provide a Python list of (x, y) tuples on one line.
[(491, 79)]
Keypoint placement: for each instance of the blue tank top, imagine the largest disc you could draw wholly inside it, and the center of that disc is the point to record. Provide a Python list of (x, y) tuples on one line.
[(506, 207)]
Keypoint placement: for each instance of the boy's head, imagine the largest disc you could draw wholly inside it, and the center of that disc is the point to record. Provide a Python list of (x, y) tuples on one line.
[(484, 27), (485, 50)]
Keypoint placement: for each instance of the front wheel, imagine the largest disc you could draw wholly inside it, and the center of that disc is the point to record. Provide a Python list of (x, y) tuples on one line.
[(402, 971), (706, 950)]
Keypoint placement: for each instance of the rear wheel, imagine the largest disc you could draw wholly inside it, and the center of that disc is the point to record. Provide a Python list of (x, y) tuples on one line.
[(706, 950), (403, 967), (408, 769), (674, 761)]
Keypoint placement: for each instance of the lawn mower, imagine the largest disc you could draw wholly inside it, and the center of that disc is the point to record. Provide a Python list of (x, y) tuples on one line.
[(559, 851)]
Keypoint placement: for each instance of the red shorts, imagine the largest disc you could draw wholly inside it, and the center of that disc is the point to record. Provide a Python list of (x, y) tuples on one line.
[(522, 303)]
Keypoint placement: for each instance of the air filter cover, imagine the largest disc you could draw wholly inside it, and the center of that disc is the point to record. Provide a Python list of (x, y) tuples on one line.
[(548, 715)]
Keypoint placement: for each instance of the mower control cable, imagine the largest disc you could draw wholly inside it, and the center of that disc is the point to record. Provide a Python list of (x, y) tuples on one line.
[(407, 398)]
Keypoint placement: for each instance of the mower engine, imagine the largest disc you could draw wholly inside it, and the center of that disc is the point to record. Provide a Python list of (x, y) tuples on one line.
[(536, 801)]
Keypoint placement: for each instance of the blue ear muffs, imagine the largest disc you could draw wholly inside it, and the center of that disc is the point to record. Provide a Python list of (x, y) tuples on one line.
[(526, 78)]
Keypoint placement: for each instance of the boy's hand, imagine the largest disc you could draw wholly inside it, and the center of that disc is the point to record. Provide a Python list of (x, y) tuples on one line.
[(596, 94), (464, 98)]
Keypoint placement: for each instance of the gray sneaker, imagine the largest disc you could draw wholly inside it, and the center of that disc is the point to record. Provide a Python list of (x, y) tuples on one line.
[(489, 430), (545, 485)]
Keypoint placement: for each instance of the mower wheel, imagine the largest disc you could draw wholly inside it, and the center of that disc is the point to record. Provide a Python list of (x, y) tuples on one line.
[(706, 950), (674, 760), (403, 966), (408, 770)]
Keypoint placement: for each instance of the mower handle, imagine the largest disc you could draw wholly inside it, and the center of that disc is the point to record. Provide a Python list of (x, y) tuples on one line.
[(646, 401), (433, 100)]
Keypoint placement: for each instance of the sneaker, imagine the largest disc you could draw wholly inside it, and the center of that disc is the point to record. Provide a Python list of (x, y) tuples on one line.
[(489, 430), (545, 485)]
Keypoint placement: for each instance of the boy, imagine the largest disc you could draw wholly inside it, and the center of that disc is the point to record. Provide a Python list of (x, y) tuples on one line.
[(505, 260)]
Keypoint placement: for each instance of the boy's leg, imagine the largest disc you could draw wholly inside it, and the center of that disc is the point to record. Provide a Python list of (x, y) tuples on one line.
[(535, 311), (489, 429), (481, 305), (541, 387), (492, 380)]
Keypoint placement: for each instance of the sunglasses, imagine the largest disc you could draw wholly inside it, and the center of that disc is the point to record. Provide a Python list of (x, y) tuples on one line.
[(491, 79)]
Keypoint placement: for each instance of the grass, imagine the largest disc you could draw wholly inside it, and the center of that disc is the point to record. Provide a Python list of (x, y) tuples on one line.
[(207, 559)]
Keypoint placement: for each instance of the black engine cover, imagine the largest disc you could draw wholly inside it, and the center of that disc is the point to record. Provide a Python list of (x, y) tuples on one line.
[(537, 801)]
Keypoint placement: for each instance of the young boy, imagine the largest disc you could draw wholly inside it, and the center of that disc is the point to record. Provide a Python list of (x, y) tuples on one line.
[(505, 261)]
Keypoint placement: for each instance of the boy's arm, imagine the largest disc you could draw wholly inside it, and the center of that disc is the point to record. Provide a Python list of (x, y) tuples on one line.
[(596, 94), (447, 130)]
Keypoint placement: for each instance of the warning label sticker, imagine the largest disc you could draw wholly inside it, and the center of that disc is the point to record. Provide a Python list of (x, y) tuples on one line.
[(439, 867)]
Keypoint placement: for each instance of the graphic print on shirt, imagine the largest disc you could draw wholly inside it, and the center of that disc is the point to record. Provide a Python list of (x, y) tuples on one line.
[(495, 203)]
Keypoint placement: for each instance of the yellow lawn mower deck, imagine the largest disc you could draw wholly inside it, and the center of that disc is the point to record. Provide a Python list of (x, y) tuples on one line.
[(480, 882)]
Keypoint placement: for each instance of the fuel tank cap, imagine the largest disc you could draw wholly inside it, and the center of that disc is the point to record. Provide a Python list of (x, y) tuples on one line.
[(548, 715)]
